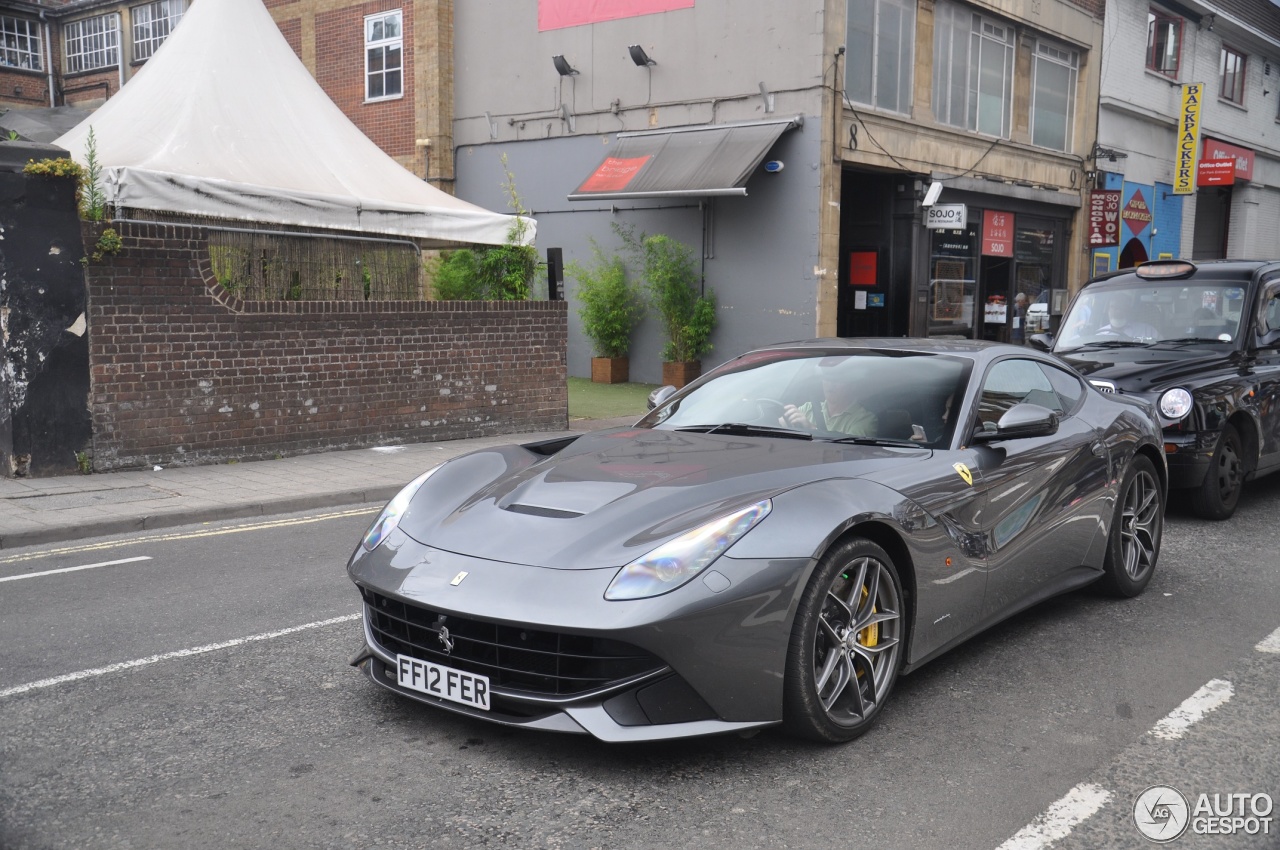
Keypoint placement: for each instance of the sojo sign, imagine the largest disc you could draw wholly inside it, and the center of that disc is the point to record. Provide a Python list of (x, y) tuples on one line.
[(997, 233), (946, 217)]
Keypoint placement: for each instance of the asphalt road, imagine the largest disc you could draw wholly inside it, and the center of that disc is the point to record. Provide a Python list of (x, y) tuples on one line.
[(114, 734)]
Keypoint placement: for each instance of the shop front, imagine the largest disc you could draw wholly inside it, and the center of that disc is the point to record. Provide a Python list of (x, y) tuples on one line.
[(994, 273)]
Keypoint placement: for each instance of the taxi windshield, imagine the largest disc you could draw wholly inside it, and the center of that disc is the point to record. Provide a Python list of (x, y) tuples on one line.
[(1152, 312)]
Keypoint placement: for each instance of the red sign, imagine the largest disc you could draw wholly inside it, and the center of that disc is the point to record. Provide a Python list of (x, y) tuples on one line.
[(1216, 172), (997, 233), (555, 14), (1136, 214), (1104, 217), (1214, 149), (614, 174), (862, 268)]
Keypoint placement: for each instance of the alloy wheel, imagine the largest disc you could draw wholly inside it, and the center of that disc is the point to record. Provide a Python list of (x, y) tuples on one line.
[(1140, 524), (858, 641)]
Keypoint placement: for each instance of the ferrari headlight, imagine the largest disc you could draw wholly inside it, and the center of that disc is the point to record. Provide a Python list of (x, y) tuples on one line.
[(390, 516), (1175, 404), (675, 562)]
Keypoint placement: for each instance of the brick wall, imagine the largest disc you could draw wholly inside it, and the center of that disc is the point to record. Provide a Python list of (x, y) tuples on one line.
[(182, 372), (339, 39)]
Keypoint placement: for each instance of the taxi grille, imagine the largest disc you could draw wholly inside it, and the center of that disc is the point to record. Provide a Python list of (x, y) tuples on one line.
[(513, 657)]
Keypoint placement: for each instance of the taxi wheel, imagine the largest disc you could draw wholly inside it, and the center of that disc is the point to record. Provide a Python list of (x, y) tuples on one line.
[(1136, 528), (1218, 495), (846, 644)]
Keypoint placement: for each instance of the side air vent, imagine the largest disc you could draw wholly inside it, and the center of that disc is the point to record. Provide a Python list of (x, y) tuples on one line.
[(1103, 386)]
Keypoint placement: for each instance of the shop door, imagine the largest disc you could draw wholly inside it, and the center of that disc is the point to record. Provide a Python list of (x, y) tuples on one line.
[(996, 297)]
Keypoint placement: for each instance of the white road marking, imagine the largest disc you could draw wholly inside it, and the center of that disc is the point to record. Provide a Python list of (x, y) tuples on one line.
[(184, 535), (1057, 821), (77, 569), (167, 656), (1213, 695), (1270, 643)]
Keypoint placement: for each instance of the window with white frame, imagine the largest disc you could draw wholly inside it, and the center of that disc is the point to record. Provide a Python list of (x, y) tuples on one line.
[(152, 24), (1232, 69), (383, 56), (92, 43), (20, 43), (1164, 42), (1053, 95), (972, 70), (880, 53)]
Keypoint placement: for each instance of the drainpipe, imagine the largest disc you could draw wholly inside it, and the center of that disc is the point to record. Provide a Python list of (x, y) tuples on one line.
[(48, 52)]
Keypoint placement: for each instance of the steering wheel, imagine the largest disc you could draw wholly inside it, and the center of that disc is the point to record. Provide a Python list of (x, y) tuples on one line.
[(771, 410)]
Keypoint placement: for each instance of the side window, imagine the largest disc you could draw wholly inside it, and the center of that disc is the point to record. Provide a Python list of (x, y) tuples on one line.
[(1269, 310), (1067, 385), (1013, 382)]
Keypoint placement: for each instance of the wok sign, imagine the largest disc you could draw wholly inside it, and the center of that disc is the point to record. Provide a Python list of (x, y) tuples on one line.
[(1184, 172), (1104, 217)]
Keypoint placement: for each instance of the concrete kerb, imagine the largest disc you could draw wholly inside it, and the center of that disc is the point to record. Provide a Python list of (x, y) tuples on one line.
[(236, 487)]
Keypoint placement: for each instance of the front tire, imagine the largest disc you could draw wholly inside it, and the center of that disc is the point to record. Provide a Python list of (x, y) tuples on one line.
[(1218, 495), (1136, 529), (846, 644)]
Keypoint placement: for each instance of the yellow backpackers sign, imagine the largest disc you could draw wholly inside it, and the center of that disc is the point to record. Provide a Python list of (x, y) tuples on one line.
[(1184, 167)]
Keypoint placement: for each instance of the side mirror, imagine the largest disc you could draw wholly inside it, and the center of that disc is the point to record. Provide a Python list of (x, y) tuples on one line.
[(1270, 339), (1021, 420), (660, 395), (1044, 341)]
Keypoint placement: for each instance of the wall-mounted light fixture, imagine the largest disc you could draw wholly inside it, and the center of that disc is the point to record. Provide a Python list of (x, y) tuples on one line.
[(563, 68), (1211, 19), (639, 57)]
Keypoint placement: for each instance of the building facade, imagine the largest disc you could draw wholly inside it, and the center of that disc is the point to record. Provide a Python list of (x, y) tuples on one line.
[(1188, 135), (873, 103), (77, 52)]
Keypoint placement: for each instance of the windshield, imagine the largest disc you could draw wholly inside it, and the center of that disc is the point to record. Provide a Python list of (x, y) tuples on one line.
[(1151, 312), (879, 396)]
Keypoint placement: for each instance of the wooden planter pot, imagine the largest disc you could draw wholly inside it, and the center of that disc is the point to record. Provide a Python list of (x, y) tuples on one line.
[(610, 370), (679, 373)]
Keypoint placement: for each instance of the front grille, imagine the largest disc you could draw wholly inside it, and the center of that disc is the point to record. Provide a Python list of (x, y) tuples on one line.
[(513, 657)]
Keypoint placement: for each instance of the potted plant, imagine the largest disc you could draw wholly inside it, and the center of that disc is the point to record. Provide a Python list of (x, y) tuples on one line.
[(610, 308), (688, 316)]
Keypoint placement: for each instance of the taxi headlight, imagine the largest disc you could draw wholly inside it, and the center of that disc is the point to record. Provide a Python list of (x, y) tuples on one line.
[(1175, 404), (675, 562), (390, 516)]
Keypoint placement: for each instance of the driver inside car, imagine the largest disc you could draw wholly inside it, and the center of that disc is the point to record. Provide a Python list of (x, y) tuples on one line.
[(840, 411), (1122, 323)]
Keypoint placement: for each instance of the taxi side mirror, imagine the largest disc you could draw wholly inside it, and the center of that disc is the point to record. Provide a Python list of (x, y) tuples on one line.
[(1044, 341)]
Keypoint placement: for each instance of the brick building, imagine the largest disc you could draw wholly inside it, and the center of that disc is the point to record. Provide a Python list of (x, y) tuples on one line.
[(77, 52)]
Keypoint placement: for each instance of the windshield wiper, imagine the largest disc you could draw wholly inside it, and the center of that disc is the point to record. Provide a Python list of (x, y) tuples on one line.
[(878, 441), (1111, 343), (1187, 340), (743, 429)]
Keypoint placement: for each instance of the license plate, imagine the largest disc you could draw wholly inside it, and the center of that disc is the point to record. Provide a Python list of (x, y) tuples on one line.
[(444, 682)]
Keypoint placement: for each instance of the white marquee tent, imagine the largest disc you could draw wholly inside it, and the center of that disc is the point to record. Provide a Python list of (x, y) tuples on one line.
[(225, 121)]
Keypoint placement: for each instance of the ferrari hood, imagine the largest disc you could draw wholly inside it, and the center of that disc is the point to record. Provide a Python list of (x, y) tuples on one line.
[(612, 496)]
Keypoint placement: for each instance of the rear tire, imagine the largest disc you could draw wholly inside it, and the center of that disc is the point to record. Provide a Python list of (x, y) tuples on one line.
[(1219, 493), (1137, 526), (846, 644)]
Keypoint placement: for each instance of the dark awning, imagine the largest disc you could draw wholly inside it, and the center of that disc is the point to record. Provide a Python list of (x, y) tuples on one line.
[(697, 161)]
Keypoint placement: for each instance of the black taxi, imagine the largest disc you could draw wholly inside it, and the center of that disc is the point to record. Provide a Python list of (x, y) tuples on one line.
[(1201, 342)]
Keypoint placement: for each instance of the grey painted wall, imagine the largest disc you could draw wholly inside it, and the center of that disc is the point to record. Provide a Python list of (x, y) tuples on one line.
[(762, 246), (710, 59)]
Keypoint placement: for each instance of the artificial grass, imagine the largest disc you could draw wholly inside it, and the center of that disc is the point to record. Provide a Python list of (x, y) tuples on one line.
[(588, 400)]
